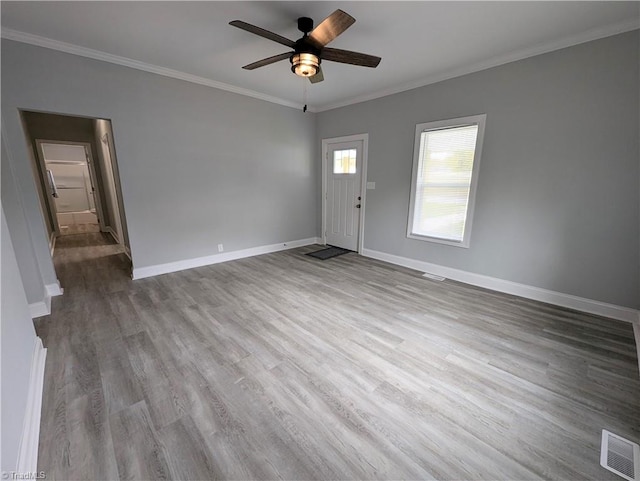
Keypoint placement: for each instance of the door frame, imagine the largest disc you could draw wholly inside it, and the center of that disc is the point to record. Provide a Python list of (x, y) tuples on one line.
[(363, 181), (92, 173), (119, 220)]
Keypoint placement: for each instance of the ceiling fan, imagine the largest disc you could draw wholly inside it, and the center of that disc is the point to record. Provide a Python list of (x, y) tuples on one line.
[(311, 48)]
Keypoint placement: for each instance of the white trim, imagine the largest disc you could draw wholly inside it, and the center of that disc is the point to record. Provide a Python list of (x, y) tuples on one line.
[(155, 270), (364, 138), (478, 120), (588, 36), (43, 307), (52, 242), (28, 451), (530, 292), (636, 333), (54, 289), (52, 44), (110, 230)]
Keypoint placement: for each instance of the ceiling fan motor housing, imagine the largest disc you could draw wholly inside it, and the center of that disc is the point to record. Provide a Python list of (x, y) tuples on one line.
[(305, 24)]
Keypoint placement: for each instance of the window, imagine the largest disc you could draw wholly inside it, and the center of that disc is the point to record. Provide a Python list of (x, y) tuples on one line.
[(344, 161), (445, 173)]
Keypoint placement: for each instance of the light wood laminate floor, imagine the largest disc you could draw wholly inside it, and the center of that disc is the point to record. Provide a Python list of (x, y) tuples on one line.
[(282, 366)]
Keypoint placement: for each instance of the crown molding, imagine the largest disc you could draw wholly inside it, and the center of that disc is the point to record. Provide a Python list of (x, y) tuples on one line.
[(587, 36), (52, 44)]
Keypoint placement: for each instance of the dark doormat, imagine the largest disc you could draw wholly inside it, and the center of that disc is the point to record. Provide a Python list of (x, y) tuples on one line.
[(328, 253)]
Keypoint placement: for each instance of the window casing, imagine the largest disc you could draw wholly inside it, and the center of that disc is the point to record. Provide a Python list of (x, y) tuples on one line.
[(446, 161)]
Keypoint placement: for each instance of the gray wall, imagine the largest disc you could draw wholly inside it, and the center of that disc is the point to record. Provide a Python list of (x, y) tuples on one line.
[(557, 205), (31, 275), (18, 341), (198, 166)]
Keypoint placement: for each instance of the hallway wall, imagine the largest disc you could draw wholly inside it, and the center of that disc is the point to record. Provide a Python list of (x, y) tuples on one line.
[(16, 347), (32, 278)]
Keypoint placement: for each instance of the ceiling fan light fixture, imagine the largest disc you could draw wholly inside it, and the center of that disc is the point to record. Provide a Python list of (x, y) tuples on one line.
[(305, 64)]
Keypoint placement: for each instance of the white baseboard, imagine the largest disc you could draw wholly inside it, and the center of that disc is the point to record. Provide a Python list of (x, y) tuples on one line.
[(54, 289), (28, 452), (155, 270), (530, 292), (43, 307)]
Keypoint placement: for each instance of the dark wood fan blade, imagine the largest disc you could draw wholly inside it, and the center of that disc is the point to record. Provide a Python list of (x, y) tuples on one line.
[(318, 77), (267, 61), (263, 33), (347, 56), (330, 28)]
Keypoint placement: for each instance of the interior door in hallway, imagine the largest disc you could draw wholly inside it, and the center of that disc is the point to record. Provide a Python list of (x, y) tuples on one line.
[(343, 195)]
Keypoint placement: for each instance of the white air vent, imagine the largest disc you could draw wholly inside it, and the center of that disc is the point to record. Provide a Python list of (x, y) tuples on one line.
[(620, 456), (434, 277)]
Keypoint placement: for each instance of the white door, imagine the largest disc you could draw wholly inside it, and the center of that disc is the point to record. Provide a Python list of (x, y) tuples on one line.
[(72, 194), (343, 196)]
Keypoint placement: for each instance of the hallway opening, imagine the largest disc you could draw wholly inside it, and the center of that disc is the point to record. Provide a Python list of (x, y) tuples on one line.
[(76, 175)]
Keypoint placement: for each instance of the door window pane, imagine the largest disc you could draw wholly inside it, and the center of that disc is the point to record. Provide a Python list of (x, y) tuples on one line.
[(344, 161)]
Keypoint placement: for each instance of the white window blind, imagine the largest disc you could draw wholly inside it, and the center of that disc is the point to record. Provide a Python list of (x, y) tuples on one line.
[(443, 177)]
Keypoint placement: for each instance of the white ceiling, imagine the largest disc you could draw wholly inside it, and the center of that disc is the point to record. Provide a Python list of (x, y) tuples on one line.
[(419, 42)]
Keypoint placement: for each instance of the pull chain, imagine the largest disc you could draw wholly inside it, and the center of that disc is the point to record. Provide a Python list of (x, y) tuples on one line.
[(304, 94)]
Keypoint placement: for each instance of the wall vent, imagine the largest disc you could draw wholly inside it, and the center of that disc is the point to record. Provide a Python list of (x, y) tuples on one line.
[(433, 277), (620, 456)]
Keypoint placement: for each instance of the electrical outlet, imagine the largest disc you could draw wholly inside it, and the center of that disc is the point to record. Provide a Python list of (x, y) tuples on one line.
[(220, 247)]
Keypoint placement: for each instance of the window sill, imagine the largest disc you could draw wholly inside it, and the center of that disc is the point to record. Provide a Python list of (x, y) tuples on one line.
[(464, 243)]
